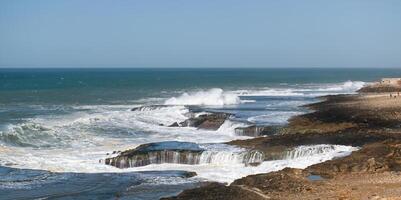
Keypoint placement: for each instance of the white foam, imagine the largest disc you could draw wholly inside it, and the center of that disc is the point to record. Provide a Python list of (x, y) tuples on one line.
[(214, 97)]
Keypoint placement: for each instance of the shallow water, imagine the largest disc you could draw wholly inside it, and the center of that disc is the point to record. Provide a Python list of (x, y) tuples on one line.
[(39, 184)]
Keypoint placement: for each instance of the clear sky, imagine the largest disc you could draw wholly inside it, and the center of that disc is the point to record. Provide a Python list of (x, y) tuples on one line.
[(205, 33)]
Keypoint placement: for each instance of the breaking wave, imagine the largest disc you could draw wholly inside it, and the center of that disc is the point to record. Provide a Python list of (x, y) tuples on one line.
[(213, 97), (29, 135)]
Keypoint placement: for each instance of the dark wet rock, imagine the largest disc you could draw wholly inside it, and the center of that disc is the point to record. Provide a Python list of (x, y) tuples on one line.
[(211, 121), (149, 107), (175, 124), (190, 174), (157, 153)]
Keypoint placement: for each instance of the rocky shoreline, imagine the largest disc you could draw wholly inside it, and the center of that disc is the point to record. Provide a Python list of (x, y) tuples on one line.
[(368, 120)]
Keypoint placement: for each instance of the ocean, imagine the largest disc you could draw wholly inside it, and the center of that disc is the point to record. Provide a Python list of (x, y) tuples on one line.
[(58, 125)]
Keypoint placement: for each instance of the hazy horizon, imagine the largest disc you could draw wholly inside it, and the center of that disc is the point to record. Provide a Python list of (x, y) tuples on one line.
[(207, 34)]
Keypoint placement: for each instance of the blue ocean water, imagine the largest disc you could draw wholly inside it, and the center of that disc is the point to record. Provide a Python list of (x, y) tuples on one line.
[(56, 124)]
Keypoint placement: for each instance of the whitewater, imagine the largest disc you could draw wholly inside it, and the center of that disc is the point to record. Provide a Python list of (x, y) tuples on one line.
[(79, 139)]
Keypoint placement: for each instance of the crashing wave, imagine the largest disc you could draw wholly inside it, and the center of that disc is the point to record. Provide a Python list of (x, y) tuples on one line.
[(31, 135), (212, 97)]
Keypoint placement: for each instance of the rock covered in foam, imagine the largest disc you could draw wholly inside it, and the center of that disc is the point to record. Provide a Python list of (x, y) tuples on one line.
[(184, 153), (157, 153)]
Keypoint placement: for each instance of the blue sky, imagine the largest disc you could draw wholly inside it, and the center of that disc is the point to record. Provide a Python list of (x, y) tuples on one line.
[(186, 33)]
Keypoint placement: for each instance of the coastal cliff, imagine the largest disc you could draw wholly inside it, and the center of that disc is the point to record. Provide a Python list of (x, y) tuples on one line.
[(370, 120)]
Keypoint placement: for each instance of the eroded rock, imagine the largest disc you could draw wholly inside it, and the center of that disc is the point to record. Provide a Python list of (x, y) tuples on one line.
[(157, 153), (211, 121)]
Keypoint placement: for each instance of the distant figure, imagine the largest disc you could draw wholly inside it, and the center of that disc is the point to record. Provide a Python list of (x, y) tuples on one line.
[(391, 95)]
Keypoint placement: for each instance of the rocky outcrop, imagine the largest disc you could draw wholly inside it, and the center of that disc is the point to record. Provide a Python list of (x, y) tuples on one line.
[(183, 153), (211, 121), (157, 153)]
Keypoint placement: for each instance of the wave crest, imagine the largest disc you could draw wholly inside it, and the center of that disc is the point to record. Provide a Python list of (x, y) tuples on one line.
[(213, 97), (30, 135)]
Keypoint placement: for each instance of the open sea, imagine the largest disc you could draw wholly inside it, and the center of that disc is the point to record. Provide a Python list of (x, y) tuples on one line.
[(57, 125)]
